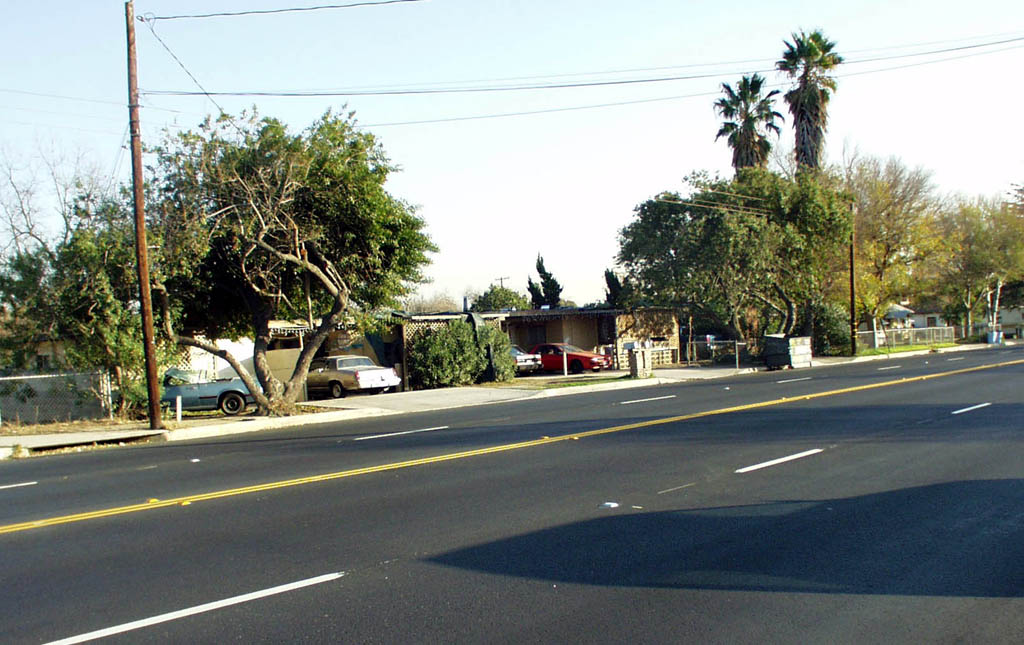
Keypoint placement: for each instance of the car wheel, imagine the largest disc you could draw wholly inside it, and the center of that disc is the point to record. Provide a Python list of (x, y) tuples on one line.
[(232, 403), (337, 390), (576, 367)]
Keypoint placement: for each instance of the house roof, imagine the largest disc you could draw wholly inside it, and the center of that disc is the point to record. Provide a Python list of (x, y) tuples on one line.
[(898, 312), (532, 315)]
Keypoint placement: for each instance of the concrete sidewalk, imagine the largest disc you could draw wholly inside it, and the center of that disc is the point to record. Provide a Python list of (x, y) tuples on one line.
[(361, 406)]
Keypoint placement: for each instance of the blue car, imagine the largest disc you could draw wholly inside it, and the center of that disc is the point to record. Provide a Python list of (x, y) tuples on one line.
[(197, 392)]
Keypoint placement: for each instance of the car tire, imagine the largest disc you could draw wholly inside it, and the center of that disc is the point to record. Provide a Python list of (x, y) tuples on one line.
[(576, 367), (231, 403), (337, 390)]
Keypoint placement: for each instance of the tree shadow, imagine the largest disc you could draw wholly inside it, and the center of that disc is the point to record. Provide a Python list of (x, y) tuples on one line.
[(951, 539)]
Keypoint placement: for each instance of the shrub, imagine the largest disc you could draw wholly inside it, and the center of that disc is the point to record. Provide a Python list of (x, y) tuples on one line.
[(831, 330), (501, 348), (456, 355)]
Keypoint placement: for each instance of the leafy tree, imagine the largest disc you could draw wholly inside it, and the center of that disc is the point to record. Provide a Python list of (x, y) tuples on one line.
[(261, 224), (749, 115), (809, 59), (739, 254), (896, 211), (497, 298), (82, 293), (618, 294), (548, 291), (437, 302)]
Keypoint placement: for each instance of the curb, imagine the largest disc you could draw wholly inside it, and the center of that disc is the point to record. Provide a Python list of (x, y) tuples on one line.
[(255, 424)]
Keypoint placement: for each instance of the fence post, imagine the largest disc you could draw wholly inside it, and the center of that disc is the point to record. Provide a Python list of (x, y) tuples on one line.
[(108, 393), (736, 352)]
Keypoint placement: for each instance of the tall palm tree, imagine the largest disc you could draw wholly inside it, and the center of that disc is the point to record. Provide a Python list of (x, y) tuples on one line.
[(808, 59), (750, 114)]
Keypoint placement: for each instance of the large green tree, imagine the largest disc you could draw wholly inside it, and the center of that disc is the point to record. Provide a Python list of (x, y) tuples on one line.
[(259, 223), (739, 254), (618, 293), (809, 59), (79, 290), (548, 292), (750, 117), (896, 216), (498, 297)]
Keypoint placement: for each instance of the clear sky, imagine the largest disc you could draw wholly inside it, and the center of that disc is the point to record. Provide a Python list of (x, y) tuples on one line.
[(935, 83)]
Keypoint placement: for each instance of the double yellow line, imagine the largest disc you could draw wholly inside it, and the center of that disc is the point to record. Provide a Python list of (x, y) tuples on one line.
[(300, 481)]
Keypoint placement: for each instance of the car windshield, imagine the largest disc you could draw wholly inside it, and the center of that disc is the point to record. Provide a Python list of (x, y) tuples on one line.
[(572, 349), (175, 376), (355, 361), (517, 350)]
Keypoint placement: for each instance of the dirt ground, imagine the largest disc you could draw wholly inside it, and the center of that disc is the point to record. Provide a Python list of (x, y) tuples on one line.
[(89, 425)]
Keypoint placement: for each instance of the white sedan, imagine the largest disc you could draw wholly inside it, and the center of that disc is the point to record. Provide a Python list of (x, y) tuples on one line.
[(338, 375)]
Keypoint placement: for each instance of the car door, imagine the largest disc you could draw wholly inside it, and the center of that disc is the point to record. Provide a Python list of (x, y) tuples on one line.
[(317, 377), (550, 357), (184, 384)]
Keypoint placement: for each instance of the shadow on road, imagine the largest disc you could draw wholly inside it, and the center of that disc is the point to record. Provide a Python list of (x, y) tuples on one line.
[(951, 539)]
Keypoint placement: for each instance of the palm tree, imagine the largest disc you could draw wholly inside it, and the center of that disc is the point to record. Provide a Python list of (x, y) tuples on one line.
[(749, 114), (808, 59)]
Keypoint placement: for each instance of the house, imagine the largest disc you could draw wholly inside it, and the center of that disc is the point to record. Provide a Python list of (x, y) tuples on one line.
[(608, 331), (1011, 322)]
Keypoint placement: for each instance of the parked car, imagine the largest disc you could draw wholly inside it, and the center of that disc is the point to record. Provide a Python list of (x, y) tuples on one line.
[(525, 361), (200, 392), (576, 359), (339, 375)]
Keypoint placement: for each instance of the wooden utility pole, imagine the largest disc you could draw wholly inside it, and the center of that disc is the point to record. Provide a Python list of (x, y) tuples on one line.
[(141, 252), (853, 292)]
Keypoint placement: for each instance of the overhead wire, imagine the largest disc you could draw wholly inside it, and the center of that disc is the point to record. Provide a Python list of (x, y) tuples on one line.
[(420, 90), (149, 23), (666, 98), (258, 12)]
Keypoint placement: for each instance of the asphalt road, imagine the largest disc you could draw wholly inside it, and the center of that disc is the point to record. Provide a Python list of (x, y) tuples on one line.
[(873, 502)]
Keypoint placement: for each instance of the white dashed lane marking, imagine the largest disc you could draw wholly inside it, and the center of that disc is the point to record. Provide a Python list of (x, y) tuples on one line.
[(972, 408), (780, 460), (396, 434), (653, 398)]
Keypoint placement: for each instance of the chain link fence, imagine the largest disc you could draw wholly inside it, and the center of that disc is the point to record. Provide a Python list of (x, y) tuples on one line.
[(46, 398), (717, 352), (907, 336)]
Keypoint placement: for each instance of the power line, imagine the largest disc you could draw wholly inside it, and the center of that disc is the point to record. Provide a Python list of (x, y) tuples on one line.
[(79, 99), (273, 11), (423, 90), (657, 99), (60, 127), (182, 66), (502, 115)]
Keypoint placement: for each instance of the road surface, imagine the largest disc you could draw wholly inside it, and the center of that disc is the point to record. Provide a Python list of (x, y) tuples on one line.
[(873, 502)]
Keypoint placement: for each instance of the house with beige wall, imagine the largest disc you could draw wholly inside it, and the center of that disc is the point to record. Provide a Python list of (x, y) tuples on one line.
[(605, 331)]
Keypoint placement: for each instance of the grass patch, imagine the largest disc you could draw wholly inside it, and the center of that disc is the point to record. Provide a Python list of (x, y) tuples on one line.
[(559, 383), (881, 351)]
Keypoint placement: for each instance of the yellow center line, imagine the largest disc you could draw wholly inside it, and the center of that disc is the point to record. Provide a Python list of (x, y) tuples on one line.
[(300, 481)]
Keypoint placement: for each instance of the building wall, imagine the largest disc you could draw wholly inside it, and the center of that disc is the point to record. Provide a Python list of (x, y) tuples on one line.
[(656, 328)]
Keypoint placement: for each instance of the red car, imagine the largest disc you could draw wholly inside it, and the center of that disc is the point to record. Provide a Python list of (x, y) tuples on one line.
[(576, 359)]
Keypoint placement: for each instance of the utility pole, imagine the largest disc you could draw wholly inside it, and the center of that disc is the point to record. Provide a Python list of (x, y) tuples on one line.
[(141, 252), (501, 281), (853, 292)]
